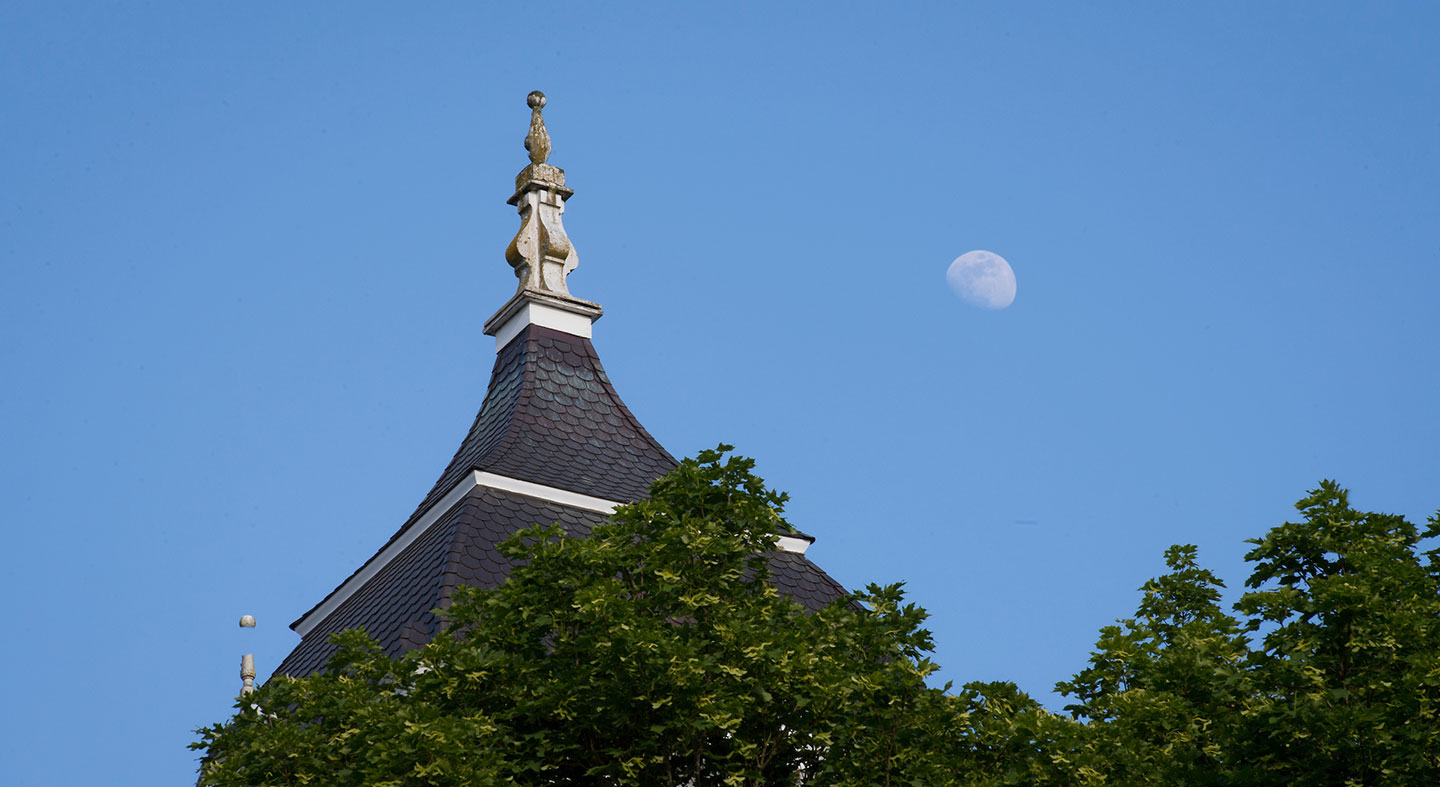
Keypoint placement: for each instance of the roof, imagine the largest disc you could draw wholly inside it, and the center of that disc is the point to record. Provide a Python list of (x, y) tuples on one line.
[(552, 443), (397, 605), (550, 417)]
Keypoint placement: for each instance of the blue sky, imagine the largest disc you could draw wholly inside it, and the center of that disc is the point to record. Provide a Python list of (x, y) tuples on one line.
[(246, 253)]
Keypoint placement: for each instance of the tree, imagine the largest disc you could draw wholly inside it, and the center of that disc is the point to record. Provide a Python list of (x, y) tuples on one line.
[(1348, 678), (654, 652), (1164, 689), (1004, 737), (1343, 688)]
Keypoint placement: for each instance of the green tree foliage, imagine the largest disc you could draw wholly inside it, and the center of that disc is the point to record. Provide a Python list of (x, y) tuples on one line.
[(1348, 672), (1003, 737), (1163, 688), (654, 652), (1341, 688)]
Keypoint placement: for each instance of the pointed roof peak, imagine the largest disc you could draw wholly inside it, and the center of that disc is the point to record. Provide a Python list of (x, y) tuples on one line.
[(541, 253), (552, 442)]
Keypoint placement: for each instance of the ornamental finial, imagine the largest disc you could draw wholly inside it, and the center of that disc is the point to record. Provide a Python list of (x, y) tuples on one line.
[(541, 252), (538, 140)]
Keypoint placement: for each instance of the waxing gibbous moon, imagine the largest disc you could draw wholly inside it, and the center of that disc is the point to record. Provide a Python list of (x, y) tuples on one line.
[(982, 278)]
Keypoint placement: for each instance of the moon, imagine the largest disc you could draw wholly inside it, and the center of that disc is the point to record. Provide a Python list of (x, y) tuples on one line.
[(982, 278)]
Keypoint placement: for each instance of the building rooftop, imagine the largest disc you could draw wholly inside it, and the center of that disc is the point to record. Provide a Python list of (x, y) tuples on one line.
[(552, 442)]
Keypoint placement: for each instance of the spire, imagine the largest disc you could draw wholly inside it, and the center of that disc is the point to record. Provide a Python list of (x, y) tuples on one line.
[(541, 252), (553, 442)]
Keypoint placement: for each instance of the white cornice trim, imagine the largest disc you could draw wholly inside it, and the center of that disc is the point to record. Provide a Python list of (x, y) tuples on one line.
[(411, 534), (792, 544), (475, 478), (544, 315), (553, 494)]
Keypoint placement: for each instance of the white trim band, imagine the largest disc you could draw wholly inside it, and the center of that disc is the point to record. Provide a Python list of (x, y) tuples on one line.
[(533, 313), (553, 494), (475, 478), (791, 544)]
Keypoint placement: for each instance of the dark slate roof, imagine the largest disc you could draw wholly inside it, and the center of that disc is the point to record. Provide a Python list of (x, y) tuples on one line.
[(396, 605), (802, 580), (551, 416)]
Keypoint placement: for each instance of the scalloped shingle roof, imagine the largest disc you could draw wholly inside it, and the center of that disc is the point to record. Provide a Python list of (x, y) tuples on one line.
[(550, 417)]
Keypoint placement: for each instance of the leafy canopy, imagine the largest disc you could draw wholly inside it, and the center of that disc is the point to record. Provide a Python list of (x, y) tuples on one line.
[(654, 652), (1331, 678)]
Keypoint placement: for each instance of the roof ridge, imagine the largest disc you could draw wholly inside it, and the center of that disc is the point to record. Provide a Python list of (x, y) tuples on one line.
[(489, 427)]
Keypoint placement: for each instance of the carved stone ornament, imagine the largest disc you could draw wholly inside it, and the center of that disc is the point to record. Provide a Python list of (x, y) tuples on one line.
[(541, 252)]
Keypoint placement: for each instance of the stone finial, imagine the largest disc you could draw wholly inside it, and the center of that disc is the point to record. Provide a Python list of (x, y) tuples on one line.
[(541, 252), (538, 140)]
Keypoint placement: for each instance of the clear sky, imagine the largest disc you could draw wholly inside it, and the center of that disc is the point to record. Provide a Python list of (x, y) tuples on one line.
[(246, 251)]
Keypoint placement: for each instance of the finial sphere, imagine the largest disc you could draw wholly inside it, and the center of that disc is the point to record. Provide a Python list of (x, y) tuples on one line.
[(535, 100)]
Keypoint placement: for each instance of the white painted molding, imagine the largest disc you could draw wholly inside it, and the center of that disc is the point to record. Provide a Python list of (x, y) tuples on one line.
[(792, 544), (418, 528), (545, 316), (304, 625), (475, 478), (552, 494)]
